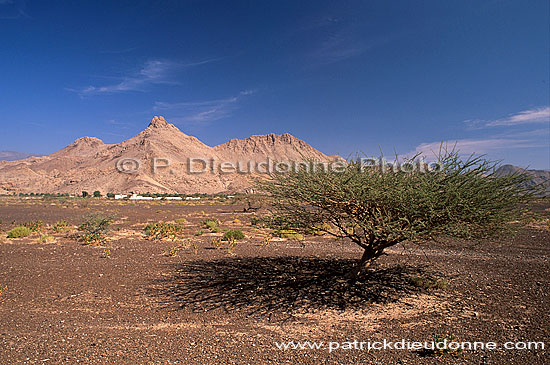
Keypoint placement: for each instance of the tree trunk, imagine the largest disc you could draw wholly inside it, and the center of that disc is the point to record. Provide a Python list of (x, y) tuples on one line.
[(366, 260)]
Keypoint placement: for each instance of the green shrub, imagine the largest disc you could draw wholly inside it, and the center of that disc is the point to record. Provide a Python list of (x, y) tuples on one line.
[(217, 242), (162, 230), (212, 224), (19, 231), (94, 227), (377, 207), (34, 226), (61, 226), (427, 282), (45, 238), (173, 251), (97, 194), (181, 220), (288, 234), (441, 345), (200, 232), (233, 234)]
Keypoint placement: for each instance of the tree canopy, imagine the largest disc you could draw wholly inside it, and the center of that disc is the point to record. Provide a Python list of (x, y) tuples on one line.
[(379, 206)]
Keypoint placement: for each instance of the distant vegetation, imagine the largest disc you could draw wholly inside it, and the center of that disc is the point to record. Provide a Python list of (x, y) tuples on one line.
[(44, 194), (289, 234), (61, 226), (45, 238), (18, 232), (85, 194), (212, 224), (94, 228), (161, 230), (34, 226), (233, 235)]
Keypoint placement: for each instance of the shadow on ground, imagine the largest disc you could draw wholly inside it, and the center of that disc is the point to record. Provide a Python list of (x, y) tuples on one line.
[(261, 285)]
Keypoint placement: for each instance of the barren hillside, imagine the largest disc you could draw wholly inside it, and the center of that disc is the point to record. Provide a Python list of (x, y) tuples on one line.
[(89, 164)]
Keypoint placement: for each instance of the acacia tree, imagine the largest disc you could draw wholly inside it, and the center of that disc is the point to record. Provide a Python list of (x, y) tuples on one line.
[(377, 207)]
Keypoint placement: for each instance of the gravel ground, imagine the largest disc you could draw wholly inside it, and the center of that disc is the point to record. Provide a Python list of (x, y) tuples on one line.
[(128, 301)]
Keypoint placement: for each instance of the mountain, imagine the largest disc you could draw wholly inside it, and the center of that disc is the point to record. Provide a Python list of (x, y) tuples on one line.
[(13, 155), (282, 147), (161, 158), (81, 147), (536, 177)]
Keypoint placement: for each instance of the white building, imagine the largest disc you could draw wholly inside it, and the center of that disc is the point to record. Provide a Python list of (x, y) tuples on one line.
[(139, 197)]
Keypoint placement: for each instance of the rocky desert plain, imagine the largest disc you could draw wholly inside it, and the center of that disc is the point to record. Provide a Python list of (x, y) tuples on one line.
[(192, 297)]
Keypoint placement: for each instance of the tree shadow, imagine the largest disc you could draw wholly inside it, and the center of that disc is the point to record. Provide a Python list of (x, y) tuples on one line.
[(286, 285)]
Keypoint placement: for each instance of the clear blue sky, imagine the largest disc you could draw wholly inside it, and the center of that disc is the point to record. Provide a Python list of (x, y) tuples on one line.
[(345, 76)]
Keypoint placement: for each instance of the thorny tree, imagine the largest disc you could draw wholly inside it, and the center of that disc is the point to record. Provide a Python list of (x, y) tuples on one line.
[(377, 207)]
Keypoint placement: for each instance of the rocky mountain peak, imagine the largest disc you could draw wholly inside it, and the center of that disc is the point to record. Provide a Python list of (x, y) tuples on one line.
[(91, 141), (158, 122)]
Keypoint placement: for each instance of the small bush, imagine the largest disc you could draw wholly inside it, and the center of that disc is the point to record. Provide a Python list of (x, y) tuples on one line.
[(97, 194), (18, 232), (212, 224), (34, 226), (288, 234), (441, 344), (428, 282), (254, 221), (45, 238), (162, 230), (61, 226), (217, 243), (200, 232), (267, 238), (94, 227), (173, 251), (181, 220), (233, 235)]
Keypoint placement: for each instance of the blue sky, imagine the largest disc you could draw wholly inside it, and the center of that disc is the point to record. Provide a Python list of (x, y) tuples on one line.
[(345, 76)]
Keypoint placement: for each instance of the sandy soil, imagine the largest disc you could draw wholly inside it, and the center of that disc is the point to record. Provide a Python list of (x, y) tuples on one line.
[(128, 301)]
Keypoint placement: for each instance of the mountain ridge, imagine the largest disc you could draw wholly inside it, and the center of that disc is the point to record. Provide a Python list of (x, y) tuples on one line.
[(90, 164), (14, 155), (540, 178)]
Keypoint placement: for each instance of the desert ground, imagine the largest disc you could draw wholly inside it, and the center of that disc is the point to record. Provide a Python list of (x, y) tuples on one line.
[(135, 300)]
